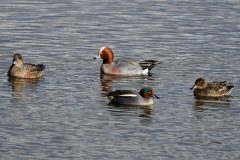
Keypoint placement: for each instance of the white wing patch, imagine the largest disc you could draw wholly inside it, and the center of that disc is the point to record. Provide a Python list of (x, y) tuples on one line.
[(128, 95)]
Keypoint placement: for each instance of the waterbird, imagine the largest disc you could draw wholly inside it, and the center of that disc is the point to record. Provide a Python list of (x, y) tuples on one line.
[(202, 88), (19, 69), (133, 98), (123, 67)]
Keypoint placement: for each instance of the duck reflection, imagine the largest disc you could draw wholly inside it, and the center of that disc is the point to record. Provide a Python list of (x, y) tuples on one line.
[(143, 112), (19, 84), (147, 111), (107, 81), (203, 103)]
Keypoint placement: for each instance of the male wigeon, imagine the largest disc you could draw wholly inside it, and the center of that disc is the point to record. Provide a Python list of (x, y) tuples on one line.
[(19, 69), (133, 98), (212, 89), (124, 67)]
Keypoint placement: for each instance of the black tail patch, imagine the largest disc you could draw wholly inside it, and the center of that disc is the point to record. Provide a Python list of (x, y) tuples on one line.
[(149, 64), (230, 86), (40, 67)]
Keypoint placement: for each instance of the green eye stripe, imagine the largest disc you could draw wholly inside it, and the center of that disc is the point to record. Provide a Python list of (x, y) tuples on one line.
[(146, 89)]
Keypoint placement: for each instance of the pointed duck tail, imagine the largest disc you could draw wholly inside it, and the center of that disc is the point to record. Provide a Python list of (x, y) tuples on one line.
[(149, 64)]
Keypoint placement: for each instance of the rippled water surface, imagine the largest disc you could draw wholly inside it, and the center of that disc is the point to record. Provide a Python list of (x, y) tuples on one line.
[(66, 114)]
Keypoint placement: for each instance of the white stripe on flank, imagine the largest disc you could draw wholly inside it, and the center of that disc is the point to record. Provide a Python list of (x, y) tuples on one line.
[(128, 95)]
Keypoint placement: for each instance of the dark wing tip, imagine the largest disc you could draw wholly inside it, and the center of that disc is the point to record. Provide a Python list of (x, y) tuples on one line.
[(40, 67)]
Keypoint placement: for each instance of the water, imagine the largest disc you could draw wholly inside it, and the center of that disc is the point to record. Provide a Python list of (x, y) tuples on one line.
[(66, 114)]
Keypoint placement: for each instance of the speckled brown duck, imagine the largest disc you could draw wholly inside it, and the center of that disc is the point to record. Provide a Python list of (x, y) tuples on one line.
[(19, 69), (201, 88)]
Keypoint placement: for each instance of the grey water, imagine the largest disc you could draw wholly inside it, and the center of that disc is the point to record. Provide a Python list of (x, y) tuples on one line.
[(66, 114)]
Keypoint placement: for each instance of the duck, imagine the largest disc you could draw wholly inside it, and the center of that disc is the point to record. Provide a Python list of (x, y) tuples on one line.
[(123, 67), (132, 98), (202, 88), (19, 69)]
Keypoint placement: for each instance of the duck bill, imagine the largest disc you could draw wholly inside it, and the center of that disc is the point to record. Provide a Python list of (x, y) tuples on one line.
[(156, 96), (96, 57), (193, 87)]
